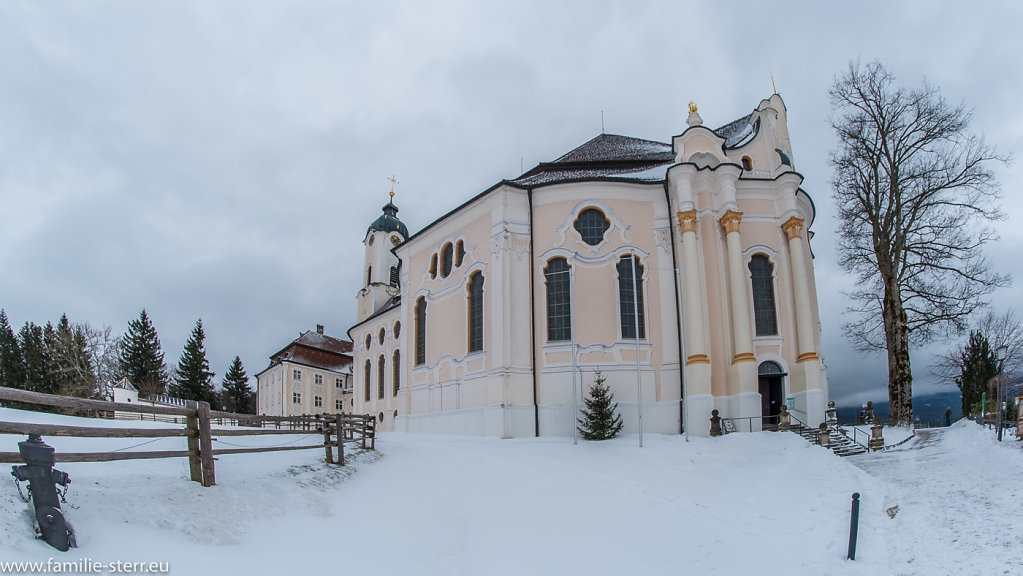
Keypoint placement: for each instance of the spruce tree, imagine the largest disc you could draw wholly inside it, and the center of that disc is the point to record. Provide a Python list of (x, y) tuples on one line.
[(236, 394), (600, 418), (141, 357), (71, 363), (978, 366), (32, 339), (192, 378), (12, 366)]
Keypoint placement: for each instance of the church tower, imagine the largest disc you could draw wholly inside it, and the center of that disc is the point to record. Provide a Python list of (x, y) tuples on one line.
[(381, 268)]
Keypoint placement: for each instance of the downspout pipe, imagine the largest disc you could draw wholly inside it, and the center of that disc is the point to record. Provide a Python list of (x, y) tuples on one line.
[(682, 424), (532, 314)]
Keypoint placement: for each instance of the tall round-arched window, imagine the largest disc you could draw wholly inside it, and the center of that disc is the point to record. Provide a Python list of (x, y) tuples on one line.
[(762, 272), (446, 256), (475, 290), (591, 225)]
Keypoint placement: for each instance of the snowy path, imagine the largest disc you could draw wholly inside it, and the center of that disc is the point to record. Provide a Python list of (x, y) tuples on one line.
[(959, 495)]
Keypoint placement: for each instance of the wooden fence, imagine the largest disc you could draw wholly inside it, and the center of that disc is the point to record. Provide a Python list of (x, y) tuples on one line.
[(337, 429)]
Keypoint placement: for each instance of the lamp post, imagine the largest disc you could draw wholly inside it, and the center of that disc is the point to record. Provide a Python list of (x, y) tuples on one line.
[(1000, 353)]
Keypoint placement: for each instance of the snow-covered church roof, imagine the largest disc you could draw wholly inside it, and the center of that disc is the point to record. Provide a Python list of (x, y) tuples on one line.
[(608, 156)]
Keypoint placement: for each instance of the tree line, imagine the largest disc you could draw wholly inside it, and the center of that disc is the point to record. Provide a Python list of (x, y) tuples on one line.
[(77, 359)]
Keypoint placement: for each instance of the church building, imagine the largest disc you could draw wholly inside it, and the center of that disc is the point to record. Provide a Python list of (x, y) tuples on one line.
[(681, 271)]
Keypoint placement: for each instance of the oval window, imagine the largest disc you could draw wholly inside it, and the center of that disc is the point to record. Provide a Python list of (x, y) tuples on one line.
[(591, 226)]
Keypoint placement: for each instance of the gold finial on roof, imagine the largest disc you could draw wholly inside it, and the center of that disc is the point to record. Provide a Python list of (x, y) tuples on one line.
[(772, 83), (393, 181), (692, 106)]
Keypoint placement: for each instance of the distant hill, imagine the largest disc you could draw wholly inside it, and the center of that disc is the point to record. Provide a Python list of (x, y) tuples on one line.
[(929, 409)]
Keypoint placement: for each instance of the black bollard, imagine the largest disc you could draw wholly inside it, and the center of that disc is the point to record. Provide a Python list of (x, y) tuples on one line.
[(854, 520), (43, 480)]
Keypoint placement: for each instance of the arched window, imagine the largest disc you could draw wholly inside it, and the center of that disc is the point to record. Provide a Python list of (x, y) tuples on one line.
[(396, 367), (475, 289), (369, 367), (446, 255), (747, 163), (629, 302), (591, 225), (763, 295), (380, 377), (394, 276), (459, 253), (770, 368), (559, 300), (421, 331), (369, 275), (433, 265), (397, 330), (381, 336), (369, 341)]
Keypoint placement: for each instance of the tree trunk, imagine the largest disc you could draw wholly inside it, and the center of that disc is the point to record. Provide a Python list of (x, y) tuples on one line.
[(900, 377)]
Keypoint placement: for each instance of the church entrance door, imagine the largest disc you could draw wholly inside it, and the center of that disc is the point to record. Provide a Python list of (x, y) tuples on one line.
[(772, 394)]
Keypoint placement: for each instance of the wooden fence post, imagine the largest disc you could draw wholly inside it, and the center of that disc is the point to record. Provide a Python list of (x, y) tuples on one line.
[(194, 465), (340, 440), (363, 432), (206, 445), (326, 440)]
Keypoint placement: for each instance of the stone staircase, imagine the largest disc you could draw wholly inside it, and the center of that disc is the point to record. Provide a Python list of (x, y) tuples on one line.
[(839, 443)]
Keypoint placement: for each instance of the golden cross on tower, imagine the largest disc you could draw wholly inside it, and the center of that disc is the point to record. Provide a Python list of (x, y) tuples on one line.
[(393, 181)]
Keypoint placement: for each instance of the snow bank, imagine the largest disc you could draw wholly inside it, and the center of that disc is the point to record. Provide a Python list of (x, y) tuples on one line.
[(744, 503)]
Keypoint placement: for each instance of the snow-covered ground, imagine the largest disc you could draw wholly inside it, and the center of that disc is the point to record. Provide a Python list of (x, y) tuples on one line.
[(765, 503)]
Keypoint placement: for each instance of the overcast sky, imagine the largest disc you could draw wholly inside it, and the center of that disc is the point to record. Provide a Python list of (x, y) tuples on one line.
[(222, 160)]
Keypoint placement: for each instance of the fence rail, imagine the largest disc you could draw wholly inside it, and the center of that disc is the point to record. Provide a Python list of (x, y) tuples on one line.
[(337, 429)]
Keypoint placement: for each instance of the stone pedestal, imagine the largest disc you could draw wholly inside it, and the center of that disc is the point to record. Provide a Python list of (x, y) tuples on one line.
[(831, 415), (824, 436), (876, 435)]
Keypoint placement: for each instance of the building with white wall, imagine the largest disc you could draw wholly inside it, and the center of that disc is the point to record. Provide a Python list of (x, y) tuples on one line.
[(311, 375), (493, 319)]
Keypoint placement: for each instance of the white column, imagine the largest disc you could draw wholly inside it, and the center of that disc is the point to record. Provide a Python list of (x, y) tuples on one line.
[(801, 290), (696, 346), (745, 398), (698, 401), (813, 395), (742, 338)]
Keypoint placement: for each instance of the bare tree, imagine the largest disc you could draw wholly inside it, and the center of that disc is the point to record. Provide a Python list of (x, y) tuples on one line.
[(914, 190), (104, 348)]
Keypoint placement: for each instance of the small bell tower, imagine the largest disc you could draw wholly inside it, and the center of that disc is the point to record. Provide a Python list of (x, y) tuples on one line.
[(381, 269)]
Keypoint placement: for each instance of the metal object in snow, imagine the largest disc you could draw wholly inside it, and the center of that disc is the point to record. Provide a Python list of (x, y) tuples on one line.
[(42, 485)]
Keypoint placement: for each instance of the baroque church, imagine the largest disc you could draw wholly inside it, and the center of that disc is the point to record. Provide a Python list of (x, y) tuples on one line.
[(681, 271)]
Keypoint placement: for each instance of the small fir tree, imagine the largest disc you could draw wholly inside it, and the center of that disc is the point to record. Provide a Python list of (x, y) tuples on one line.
[(236, 394), (193, 379), (141, 357), (978, 366), (12, 366), (601, 420)]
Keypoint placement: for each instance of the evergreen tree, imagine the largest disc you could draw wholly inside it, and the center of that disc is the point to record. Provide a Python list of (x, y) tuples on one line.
[(979, 365), (193, 379), (236, 396), (12, 366), (32, 339), (141, 357), (600, 419), (71, 363)]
